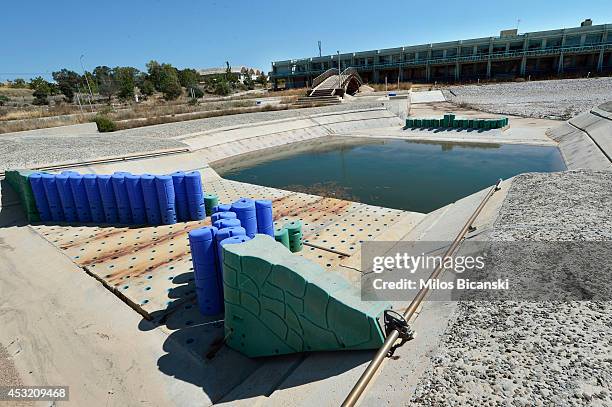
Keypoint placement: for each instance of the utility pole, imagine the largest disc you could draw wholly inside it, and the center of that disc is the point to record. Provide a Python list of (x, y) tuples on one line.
[(90, 96), (339, 78)]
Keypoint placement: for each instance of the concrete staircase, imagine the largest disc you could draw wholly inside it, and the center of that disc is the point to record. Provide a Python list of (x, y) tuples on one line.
[(323, 100)]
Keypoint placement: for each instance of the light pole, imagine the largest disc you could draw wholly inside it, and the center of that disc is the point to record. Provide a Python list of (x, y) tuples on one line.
[(339, 78), (90, 97)]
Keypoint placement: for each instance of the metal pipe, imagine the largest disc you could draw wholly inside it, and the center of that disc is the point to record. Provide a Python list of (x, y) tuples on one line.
[(374, 365)]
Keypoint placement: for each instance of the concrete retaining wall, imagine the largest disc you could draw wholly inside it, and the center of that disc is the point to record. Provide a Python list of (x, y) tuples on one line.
[(223, 143), (585, 141)]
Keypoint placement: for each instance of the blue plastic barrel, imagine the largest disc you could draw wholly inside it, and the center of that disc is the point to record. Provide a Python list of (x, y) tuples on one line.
[(40, 196), (222, 208), (223, 234), (137, 205), (265, 219), (195, 195), (165, 198), (107, 195), (227, 223), (222, 215), (151, 203), (229, 232), (124, 212), (180, 196), (245, 212), (81, 202), (90, 181), (208, 279), (65, 195), (55, 204)]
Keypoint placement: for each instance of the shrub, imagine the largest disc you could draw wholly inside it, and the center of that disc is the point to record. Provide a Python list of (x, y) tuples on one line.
[(223, 88), (3, 99), (105, 124)]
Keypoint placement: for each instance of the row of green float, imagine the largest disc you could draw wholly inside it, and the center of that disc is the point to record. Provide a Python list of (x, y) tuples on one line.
[(449, 121)]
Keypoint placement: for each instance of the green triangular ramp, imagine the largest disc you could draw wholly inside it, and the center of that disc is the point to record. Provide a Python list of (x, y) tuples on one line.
[(277, 302)]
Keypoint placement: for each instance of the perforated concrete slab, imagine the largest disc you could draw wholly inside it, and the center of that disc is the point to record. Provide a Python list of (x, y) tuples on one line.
[(150, 267)]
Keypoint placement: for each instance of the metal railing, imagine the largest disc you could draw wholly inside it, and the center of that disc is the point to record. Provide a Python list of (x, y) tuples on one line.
[(321, 78), (458, 58)]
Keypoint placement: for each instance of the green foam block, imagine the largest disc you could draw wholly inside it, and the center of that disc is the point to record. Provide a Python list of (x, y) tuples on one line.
[(279, 303), (18, 180), (281, 235), (210, 200)]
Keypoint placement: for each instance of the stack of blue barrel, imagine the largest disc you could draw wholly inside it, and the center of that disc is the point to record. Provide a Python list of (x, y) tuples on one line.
[(232, 224), (122, 197)]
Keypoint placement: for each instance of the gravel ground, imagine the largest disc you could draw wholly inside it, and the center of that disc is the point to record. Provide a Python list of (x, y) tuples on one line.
[(30, 151), (512, 353), (555, 99), (19, 151), (9, 377)]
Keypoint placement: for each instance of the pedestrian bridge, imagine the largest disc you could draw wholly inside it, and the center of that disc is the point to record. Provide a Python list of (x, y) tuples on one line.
[(330, 83)]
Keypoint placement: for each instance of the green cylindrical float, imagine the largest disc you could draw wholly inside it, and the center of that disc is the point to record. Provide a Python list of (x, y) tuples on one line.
[(281, 235), (210, 200), (417, 122), (471, 123), (294, 229)]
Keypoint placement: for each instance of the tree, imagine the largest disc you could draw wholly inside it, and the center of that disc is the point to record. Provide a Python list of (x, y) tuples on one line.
[(19, 83), (42, 90), (248, 82), (165, 78), (67, 82), (103, 76), (170, 85), (188, 78), (155, 74), (40, 97), (263, 80), (125, 77), (230, 77), (147, 88), (90, 81)]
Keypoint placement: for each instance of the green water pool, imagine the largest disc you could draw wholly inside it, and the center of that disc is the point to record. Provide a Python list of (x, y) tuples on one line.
[(408, 175)]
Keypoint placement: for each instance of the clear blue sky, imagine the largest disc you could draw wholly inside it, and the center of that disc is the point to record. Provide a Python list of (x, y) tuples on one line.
[(43, 36)]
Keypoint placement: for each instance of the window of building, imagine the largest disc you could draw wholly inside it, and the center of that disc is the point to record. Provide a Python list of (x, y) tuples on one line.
[(553, 42), (572, 41), (534, 44), (467, 51), (592, 39)]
